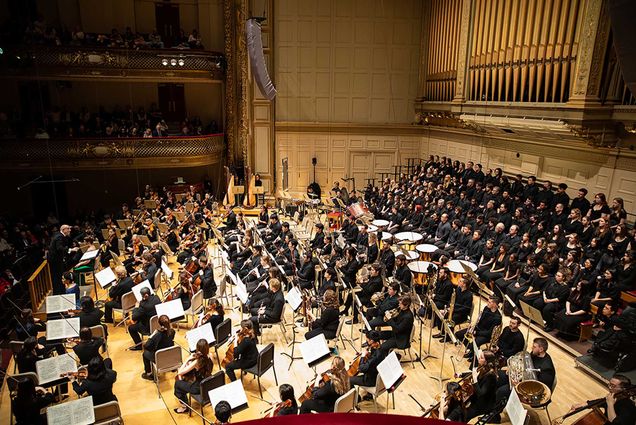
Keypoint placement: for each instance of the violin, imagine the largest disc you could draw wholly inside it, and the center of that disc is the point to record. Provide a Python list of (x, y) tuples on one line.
[(280, 406), (354, 367), (324, 378), (80, 374)]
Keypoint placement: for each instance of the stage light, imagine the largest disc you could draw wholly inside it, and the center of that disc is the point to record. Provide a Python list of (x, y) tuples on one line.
[(181, 62), (173, 62), (164, 62)]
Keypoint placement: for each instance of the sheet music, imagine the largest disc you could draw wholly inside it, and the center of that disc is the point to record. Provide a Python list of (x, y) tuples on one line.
[(76, 412), (515, 410), (167, 270), (314, 349), (60, 303), (51, 368), (202, 332), (241, 293), (137, 289), (294, 298), (390, 370), (62, 328), (366, 322), (475, 374), (233, 393), (89, 255), (173, 309), (105, 277)]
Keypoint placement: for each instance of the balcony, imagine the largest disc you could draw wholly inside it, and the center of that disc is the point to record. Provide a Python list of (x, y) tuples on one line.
[(73, 63), (115, 153)]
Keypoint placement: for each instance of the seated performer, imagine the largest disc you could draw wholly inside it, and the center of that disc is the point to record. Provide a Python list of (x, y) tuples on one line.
[(375, 315), (567, 320), (122, 286), (141, 317), (327, 323), (29, 402), (370, 358), (461, 310), (323, 398), (89, 315), (288, 404), (307, 272), (511, 340), (195, 369), (482, 330), (214, 314), (443, 289), (88, 347), (483, 400), (98, 383), (618, 410), (401, 323), (451, 404), (552, 299), (163, 338), (206, 272), (402, 273), (245, 351), (270, 311)]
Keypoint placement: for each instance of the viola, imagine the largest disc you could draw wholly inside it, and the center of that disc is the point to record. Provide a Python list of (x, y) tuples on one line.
[(324, 378), (280, 406)]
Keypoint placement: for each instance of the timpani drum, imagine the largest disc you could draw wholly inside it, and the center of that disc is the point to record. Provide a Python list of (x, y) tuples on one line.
[(421, 271), (386, 236), (425, 251), (410, 255), (457, 270), (371, 228), (408, 239), (380, 224)]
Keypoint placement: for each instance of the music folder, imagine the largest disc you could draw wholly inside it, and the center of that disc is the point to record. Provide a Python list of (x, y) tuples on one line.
[(173, 309), (294, 298), (50, 369), (202, 332), (76, 412), (166, 269), (314, 350), (60, 303), (516, 413), (137, 289), (105, 277), (62, 328), (233, 393), (90, 255), (390, 370)]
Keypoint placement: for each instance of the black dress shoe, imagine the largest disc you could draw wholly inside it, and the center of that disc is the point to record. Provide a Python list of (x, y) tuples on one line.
[(135, 348), (367, 397), (438, 335), (147, 376)]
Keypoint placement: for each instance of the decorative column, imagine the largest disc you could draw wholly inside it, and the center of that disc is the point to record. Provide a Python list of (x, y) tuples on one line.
[(462, 52), (592, 44)]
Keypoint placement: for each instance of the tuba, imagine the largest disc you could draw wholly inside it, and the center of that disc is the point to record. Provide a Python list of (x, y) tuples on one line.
[(520, 368)]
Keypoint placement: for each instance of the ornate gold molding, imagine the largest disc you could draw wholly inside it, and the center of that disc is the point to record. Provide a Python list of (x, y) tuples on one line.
[(230, 81), (462, 53), (587, 50)]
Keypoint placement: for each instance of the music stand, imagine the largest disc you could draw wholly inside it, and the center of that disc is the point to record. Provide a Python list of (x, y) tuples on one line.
[(417, 306), (532, 314), (314, 351), (447, 334), (392, 374), (295, 299)]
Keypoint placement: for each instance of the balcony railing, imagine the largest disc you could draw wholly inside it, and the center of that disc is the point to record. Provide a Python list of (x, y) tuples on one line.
[(112, 153), (78, 61)]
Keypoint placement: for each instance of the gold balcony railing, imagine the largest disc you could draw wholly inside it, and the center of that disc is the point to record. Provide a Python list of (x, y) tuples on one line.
[(92, 62), (112, 153)]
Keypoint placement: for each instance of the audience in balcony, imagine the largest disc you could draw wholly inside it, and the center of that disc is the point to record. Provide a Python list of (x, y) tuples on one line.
[(118, 122), (41, 32)]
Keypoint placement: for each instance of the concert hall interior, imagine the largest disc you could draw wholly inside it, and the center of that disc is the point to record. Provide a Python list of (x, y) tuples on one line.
[(218, 211)]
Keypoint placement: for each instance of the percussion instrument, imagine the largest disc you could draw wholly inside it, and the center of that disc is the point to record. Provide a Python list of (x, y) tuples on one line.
[(421, 271), (533, 393), (425, 251), (410, 255), (335, 220), (380, 224), (371, 228), (457, 271), (408, 239)]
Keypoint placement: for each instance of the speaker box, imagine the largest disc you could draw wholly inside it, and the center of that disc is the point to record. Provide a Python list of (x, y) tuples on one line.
[(257, 59)]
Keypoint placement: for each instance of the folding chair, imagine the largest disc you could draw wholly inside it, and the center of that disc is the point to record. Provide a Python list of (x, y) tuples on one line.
[(222, 335), (128, 303), (280, 322), (98, 331), (339, 334), (347, 402), (264, 363), (377, 391), (16, 347), (108, 414), (195, 306), (211, 382), (166, 360)]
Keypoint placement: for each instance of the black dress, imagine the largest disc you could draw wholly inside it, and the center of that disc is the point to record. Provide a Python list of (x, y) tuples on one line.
[(326, 324), (568, 326), (323, 400)]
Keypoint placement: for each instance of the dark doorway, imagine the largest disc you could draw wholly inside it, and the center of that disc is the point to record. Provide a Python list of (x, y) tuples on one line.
[(172, 102), (167, 20)]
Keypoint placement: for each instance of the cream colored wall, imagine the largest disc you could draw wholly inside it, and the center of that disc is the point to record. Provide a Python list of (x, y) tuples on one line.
[(363, 155), (346, 60)]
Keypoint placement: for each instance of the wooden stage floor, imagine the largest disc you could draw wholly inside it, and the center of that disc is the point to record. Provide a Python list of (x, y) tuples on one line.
[(140, 403)]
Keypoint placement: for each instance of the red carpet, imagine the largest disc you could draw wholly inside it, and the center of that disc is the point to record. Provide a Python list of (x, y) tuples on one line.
[(350, 419)]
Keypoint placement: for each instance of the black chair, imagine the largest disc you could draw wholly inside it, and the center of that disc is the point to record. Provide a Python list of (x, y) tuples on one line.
[(264, 363), (222, 334), (211, 382)]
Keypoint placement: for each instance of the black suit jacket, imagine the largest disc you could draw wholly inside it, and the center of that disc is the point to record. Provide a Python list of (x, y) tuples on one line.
[(87, 350), (123, 287), (101, 390), (275, 308), (369, 367), (145, 311), (328, 321), (401, 327)]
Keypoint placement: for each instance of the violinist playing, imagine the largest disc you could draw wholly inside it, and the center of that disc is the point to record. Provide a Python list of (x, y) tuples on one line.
[(327, 324), (98, 383), (182, 291), (370, 358), (162, 338), (323, 398), (288, 404), (451, 404), (123, 285), (214, 314), (245, 352), (88, 347), (110, 245), (206, 281), (619, 409), (195, 369)]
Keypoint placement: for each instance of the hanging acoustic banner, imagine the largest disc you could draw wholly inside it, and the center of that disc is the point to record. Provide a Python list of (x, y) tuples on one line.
[(257, 59)]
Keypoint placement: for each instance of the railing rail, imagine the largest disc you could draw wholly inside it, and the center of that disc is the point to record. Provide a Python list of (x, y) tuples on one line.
[(40, 285), (115, 148)]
